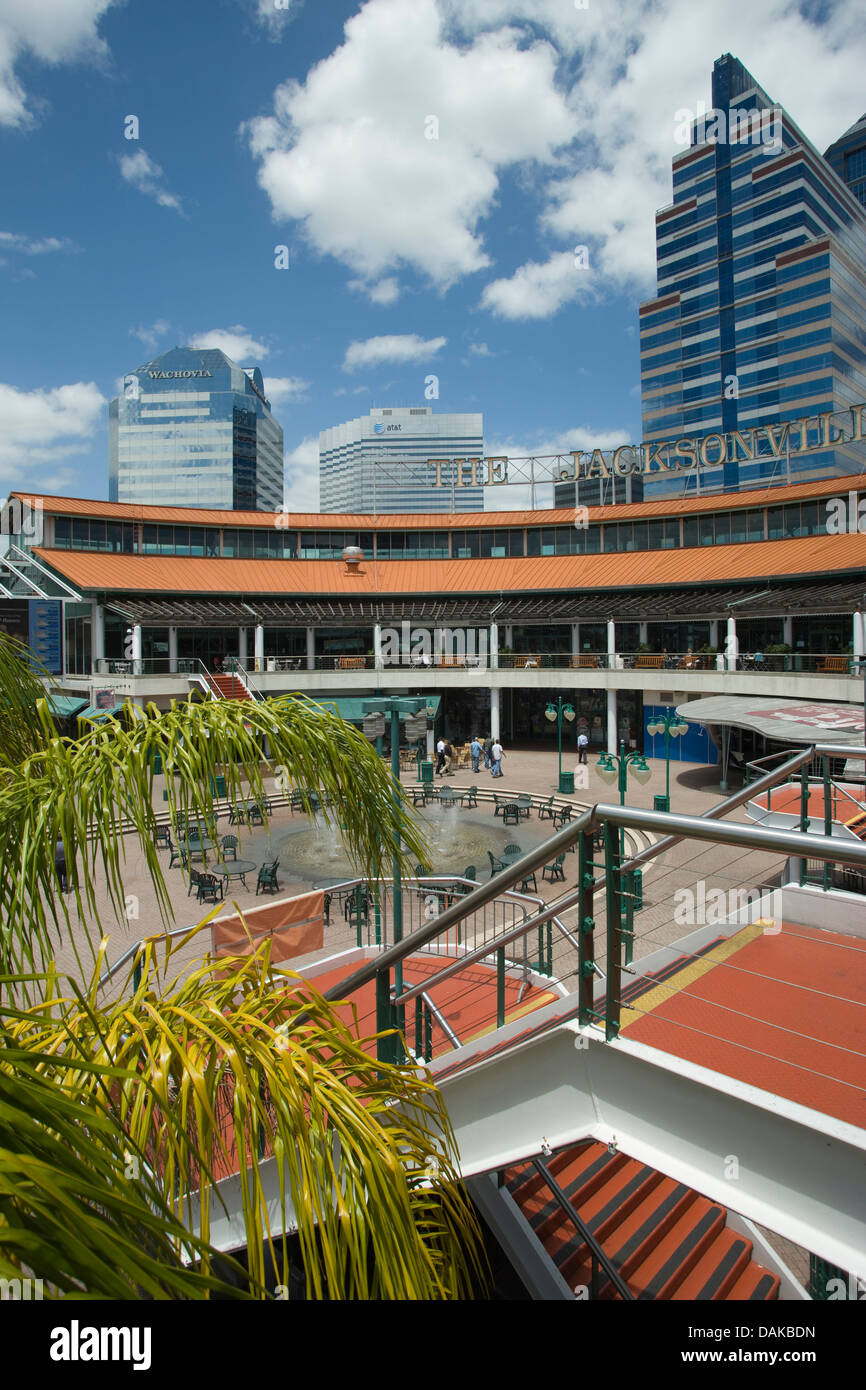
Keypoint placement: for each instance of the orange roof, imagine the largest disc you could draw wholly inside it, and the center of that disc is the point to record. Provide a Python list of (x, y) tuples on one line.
[(443, 521), (792, 559)]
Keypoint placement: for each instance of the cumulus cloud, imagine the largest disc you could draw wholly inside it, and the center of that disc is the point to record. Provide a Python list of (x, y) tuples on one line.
[(275, 14), (280, 389), (535, 291), (391, 151), (140, 170), (385, 291), (301, 477), (34, 246), (518, 496), (636, 66), (42, 427), (235, 342), (151, 336), (50, 31), (391, 347)]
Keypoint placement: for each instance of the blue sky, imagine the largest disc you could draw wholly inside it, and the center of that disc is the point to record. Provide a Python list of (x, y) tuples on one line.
[(431, 166)]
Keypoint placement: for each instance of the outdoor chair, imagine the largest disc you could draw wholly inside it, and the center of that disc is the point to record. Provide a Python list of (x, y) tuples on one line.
[(236, 814), (512, 850), (555, 870), (254, 814), (229, 846), (178, 856), (194, 877), (526, 882), (511, 814), (162, 837), (296, 801), (267, 879), (209, 886), (470, 872), (494, 866), (357, 907), (418, 796), (470, 797), (545, 810)]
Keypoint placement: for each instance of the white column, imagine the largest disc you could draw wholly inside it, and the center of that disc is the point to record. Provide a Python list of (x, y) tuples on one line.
[(731, 645), (611, 644), (788, 631), (575, 642), (378, 664), (260, 647), (494, 654), (611, 721), (859, 635), (242, 646), (494, 713), (714, 632), (97, 633), (172, 650), (509, 635), (311, 649), (643, 632), (430, 743), (136, 650)]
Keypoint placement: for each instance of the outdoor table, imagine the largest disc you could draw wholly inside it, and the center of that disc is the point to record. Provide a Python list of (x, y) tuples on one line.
[(238, 868)]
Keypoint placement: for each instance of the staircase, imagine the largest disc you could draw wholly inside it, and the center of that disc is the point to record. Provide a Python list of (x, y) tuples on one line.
[(857, 825), (231, 686), (663, 1238)]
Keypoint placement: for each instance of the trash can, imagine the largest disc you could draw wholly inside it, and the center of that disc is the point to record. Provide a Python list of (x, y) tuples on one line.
[(157, 764), (427, 771), (566, 783), (637, 888), (218, 786), (661, 803)]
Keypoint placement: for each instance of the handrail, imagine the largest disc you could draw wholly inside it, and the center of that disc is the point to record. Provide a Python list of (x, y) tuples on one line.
[(583, 1231), (441, 1020)]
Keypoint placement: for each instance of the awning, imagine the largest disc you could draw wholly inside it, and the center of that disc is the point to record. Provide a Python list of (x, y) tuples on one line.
[(786, 721), (66, 706), (91, 712)]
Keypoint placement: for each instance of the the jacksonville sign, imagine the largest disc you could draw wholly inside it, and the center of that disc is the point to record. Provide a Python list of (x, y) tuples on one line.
[(806, 435)]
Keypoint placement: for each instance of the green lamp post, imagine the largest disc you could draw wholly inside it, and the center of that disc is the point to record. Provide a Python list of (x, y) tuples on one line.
[(561, 711), (672, 726), (613, 767)]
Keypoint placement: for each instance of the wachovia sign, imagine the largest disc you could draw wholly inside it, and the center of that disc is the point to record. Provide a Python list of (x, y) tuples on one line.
[(806, 435)]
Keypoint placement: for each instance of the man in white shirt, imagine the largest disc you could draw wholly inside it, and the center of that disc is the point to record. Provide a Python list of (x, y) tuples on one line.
[(582, 745), (440, 755), (496, 755)]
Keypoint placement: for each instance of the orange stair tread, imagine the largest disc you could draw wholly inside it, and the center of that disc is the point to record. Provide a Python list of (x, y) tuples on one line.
[(664, 1267), (755, 1280), (716, 1272)]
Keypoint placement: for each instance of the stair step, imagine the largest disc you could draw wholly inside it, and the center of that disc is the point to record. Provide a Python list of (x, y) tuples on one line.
[(712, 1278), (627, 1242), (756, 1284), (597, 1172), (628, 1191), (665, 1267)]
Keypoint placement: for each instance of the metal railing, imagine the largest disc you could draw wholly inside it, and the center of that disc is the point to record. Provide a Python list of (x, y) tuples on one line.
[(598, 1257)]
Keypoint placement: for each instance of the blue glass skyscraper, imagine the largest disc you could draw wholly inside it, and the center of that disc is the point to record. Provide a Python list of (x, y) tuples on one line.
[(760, 316), (193, 429)]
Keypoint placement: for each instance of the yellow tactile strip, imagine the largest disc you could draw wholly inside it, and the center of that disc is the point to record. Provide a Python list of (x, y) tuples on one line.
[(689, 973)]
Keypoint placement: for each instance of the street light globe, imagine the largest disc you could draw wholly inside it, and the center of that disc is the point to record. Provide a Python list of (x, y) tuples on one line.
[(641, 769), (654, 728), (550, 712), (682, 727), (605, 768), (568, 712)]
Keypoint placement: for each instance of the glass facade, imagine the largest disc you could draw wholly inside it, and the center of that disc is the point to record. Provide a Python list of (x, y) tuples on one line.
[(847, 156), (192, 429), (760, 315), (381, 463)]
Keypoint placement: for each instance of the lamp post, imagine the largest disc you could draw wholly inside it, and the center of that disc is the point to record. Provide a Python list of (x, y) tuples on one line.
[(561, 711), (612, 767), (671, 726)]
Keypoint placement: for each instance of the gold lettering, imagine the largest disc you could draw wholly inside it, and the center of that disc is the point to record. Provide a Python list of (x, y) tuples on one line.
[(438, 463), (632, 463), (723, 445), (769, 431), (651, 453), (686, 449), (737, 440), (826, 429), (597, 462), (497, 470)]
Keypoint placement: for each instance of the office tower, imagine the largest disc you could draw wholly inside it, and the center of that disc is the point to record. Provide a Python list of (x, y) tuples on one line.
[(598, 492), (193, 429), (402, 460), (761, 304), (847, 156)]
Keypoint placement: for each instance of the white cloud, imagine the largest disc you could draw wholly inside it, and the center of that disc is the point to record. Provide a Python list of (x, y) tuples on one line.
[(391, 347), (349, 152), (385, 291), (480, 350), (301, 477), (51, 31), (141, 171), (151, 336), (535, 291), (39, 246), (42, 427), (235, 342), (637, 64), (280, 389), (517, 496), (274, 14)]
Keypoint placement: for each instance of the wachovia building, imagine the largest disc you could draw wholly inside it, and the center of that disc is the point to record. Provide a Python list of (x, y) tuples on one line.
[(193, 429)]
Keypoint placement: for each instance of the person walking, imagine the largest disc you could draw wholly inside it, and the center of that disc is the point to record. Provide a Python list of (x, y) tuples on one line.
[(475, 749), (440, 757), (488, 745), (582, 745), (449, 759), (497, 755), (60, 865)]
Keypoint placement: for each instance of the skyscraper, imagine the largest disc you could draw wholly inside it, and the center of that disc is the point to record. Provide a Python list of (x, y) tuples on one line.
[(847, 156), (402, 460), (761, 305), (193, 429)]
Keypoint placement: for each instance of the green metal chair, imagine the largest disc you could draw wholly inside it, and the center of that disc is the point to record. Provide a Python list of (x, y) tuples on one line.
[(229, 846), (512, 851), (267, 879), (545, 810), (209, 887), (525, 884), (495, 866), (511, 814), (470, 797), (162, 837), (555, 870)]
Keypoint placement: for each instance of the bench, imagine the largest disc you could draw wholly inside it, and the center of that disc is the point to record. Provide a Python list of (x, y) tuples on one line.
[(829, 665), (351, 663), (648, 661), (588, 661)]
